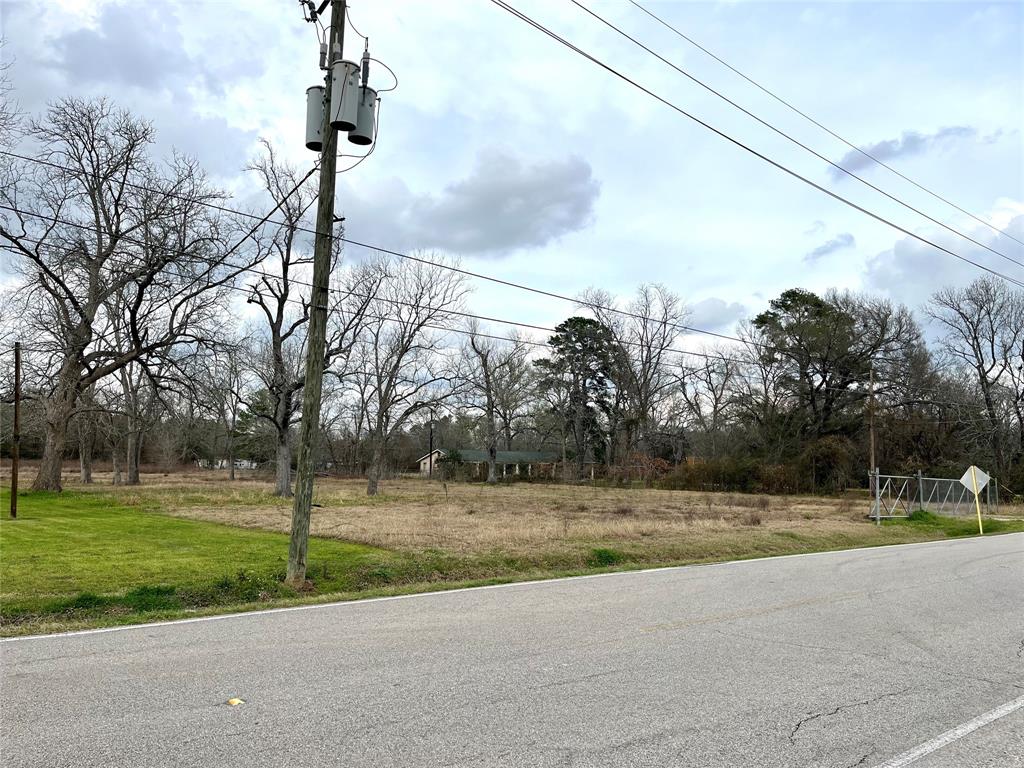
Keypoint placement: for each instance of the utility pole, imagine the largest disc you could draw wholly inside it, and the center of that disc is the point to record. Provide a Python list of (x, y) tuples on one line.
[(316, 344), (430, 452), (16, 436), (873, 472)]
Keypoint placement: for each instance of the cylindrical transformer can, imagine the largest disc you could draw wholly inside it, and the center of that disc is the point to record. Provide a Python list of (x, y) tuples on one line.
[(315, 118), (344, 95), (363, 132)]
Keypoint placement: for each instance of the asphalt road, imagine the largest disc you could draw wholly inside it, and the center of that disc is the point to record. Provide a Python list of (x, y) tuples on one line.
[(840, 659)]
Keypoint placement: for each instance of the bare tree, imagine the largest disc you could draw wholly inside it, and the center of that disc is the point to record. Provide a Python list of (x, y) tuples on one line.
[(515, 388), (85, 421), (1015, 380), (282, 297), (644, 333), (983, 327), (223, 381), (706, 389), (10, 115), (496, 372), (403, 353), (763, 401), (480, 357), (96, 218)]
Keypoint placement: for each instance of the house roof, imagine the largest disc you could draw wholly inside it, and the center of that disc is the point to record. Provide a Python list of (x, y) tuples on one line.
[(502, 457)]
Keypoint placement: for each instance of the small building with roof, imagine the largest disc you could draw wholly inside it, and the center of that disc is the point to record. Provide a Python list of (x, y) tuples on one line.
[(527, 463)]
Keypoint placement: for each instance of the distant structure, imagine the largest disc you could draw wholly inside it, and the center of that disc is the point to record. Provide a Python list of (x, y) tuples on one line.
[(224, 464), (508, 462)]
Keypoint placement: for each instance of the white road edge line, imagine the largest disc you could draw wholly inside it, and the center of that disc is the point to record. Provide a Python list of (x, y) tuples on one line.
[(510, 584), (950, 736)]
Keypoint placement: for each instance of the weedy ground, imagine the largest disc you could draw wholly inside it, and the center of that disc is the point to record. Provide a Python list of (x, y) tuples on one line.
[(194, 543)]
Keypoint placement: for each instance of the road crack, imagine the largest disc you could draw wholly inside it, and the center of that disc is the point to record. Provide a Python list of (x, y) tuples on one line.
[(1021, 649), (862, 760), (837, 710)]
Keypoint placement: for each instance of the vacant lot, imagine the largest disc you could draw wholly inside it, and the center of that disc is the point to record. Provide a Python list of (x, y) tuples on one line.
[(193, 542)]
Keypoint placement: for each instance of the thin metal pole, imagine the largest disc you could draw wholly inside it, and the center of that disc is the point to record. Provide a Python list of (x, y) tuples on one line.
[(316, 338), (877, 502), (977, 501), (430, 453), (16, 436)]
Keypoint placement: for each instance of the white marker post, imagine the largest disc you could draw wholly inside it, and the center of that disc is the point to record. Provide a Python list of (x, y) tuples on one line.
[(974, 480)]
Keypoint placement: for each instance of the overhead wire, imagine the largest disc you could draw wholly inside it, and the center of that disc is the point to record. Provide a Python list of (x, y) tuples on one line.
[(785, 169), (718, 357), (544, 345), (263, 274), (266, 219), (376, 132), (860, 150), (787, 136), (352, 26), (401, 255), (575, 301)]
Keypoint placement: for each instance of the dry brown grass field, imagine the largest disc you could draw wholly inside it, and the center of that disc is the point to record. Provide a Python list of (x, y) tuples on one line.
[(415, 514), (519, 519), (192, 541)]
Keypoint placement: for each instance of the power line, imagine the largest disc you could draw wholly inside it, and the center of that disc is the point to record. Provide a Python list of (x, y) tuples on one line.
[(878, 217), (459, 270), (915, 418), (274, 210), (823, 127), (718, 357), (785, 135), (296, 281), (390, 252), (146, 188), (530, 326)]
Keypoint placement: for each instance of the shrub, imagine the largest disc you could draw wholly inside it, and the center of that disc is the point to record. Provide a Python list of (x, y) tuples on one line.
[(604, 556)]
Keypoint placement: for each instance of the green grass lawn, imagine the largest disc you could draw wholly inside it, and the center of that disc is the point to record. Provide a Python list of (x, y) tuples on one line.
[(79, 558), (82, 559), (955, 527)]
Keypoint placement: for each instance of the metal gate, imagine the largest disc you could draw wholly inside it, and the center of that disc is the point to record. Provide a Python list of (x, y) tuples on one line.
[(899, 495)]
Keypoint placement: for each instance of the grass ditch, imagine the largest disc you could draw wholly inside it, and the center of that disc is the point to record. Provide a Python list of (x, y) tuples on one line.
[(101, 557), (953, 527)]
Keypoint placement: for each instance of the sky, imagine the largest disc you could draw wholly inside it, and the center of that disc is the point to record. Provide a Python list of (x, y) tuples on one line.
[(525, 161)]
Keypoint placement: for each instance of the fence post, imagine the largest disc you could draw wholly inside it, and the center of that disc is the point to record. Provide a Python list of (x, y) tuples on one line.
[(875, 496), (920, 490)]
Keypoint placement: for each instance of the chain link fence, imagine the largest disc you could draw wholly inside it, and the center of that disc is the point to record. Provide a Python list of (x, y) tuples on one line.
[(900, 495)]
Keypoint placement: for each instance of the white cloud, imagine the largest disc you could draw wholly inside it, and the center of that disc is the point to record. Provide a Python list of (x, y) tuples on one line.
[(503, 204), (717, 315), (908, 143), (497, 138), (837, 243), (910, 271)]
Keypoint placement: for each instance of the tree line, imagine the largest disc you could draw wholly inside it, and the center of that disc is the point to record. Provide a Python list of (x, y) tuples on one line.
[(158, 323)]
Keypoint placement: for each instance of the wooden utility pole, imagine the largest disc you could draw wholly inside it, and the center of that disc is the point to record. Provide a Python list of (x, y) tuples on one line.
[(16, 436), (430, 452), (871, 418), (317, 330), (872, 473)]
